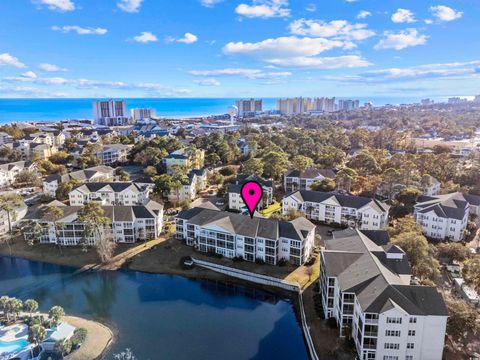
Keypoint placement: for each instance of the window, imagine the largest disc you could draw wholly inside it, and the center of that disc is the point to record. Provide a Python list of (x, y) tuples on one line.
[(390, 357), (394, 320), (410, 345), (391, 346), (409, 357), (392, 332), (411, 332), (413, 320)]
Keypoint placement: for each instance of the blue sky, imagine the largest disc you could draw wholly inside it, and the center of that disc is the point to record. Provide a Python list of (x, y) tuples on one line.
[(239, 48)]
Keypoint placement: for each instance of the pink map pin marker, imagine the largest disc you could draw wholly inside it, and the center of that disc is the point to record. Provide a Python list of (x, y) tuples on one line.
[(251, 193)]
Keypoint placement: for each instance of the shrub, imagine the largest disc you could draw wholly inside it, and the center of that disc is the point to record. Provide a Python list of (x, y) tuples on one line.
[(259, 261), (282, 262), (78, 337), (332, 322)]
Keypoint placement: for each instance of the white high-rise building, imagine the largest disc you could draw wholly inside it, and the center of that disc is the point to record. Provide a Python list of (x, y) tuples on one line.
[(323, 104), (142, 113), (249, 107), (110, 112), (291, 106), (348, 105)]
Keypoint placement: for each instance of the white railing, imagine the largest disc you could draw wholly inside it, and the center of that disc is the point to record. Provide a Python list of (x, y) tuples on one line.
[(248, 276)]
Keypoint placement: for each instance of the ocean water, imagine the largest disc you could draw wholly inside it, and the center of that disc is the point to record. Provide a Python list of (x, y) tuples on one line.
[(162, 316), (62, 109)]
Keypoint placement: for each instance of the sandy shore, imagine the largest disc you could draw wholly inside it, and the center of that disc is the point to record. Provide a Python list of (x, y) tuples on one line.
[(99, 337)]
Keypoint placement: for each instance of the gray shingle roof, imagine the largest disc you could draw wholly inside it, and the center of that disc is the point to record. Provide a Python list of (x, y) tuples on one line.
[(453, 206), (362, 267), (244, 225)]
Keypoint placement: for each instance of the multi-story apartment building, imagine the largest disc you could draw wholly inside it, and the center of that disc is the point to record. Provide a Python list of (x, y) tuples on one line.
[(195, 181), (8, 172), (188, 158), (348, 105), (112, 193), (249, 107), (110, 113), (446, 216), (142, 113), (292, 106), (322, 104), (235, 201), (341, 209), (365, 286), (5, 138), (235, 235), (302, 180), (114, 153), (127, 224), (93, 174)]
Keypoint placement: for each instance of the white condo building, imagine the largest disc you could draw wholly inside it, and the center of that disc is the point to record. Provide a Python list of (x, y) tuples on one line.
[(127, 224), (111, 193), (235, 235), (110, 113), (365, 286), (341, 209), (248, 107), (446, 216), (302, 180), (142, 113), (235, 201)]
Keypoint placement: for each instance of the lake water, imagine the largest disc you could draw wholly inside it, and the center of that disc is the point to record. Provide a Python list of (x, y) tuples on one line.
[(162, 316)]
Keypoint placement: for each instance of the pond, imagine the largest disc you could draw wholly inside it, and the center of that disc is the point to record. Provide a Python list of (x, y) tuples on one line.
[(163, 316)]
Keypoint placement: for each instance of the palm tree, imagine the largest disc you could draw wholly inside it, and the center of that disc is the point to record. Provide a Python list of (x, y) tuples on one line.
[(4, 306), (31, 306), (55, 313), (37, 333)]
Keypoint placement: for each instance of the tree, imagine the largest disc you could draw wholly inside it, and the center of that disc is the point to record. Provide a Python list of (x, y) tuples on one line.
[(324, 185), (55, 313), (150, 171), (65, 188), (96, 226), (408, 197), (471, 272), (61, 158), (301, 162), (36, 333), (253, 166), (27, 177), (163, 184), (30, 306), (345, 177), (275, 164), (462, 318), (63, 347), (404, 224), (122, 174), (5, 306), (15, 305), (452, 251), (9, 204)]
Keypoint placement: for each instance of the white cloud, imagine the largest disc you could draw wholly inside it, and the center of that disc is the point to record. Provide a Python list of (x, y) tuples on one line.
[(210, 3), (428, 21), (363, 14), (340, 29), (311, 7), (27, 91), (145, 37), (130, 6), (401, 40), (29, 74), (445, 13), (150, 88), (188, 38), (337, 62), (244, 72), (80, 30), (207, 82), (264, 9), (403, 16), (282, 47), (457, 70), (50, 67), (57, 5), (8, 60)]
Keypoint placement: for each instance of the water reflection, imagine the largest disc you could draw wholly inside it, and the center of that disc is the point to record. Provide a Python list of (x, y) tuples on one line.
[(165, 317)]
